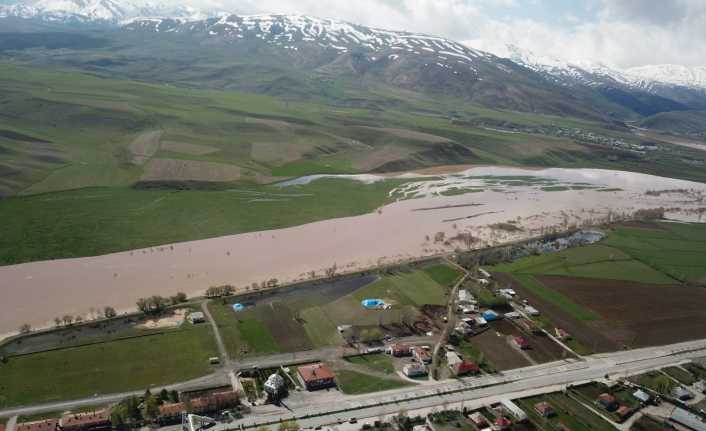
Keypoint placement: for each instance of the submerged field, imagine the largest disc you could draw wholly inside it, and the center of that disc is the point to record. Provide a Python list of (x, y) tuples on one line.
[(308, 317), (642, 285), (109, 366)]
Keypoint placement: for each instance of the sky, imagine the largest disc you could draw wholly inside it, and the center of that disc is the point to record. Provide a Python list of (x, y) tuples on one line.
[(617, 33)]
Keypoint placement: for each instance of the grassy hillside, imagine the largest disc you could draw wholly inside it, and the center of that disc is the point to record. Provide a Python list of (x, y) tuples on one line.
[(133, 152), (691, 123)]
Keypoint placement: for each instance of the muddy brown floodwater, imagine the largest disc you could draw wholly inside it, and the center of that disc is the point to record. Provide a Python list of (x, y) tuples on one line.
[(37, 292)]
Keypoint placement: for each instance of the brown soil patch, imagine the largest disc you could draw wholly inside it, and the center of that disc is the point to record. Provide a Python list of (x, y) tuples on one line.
[(144, 146), (186, 148), (189, 170), (642, 225), (588, 335), (493, 343), (637, 314), (412, 134)]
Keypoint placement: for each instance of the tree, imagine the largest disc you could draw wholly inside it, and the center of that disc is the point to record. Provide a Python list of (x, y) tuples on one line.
[(150, 407), (142, 305), (331, 271), (78, 319), (109, 312), (57, 321), (67, 319), (163, 396), (25, 329), (174, 396)]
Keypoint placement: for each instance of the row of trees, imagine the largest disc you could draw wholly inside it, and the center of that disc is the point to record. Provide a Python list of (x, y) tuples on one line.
[(155, 304), (68, 319)]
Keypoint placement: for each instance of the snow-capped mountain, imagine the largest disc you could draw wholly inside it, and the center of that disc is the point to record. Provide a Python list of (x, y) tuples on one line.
[(293, 31), (94, 11), (596, 74), (693, 77)]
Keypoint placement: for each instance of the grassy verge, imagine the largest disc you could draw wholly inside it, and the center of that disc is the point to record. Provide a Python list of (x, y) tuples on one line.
[(379, 362), (353, 383), (110, 367)]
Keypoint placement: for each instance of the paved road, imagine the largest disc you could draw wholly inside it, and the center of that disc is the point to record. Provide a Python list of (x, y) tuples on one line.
[(535, 379)]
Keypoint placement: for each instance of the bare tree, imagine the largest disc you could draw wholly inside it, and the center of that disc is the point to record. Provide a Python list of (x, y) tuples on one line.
[(331, 271), (67, 319), (25, 329), (109, 312)]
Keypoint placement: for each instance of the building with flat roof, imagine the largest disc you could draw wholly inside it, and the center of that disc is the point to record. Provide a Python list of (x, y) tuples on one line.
[(688, 419), (196, 317), (316, 376), (414, 369), (85, 421), (43, 425)]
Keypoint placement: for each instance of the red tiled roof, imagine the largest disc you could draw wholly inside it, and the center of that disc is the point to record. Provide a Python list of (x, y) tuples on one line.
[(2, 427), (521, 341), (400, 348), (623, 410), (543, 408), (172, 409), (465, 367), (85, 419), (43, 425), (315, 372), (217, 399), (503, 422)]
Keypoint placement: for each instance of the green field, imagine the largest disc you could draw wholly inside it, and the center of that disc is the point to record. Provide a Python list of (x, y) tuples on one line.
[(667, 253), (579, 312), (354, 383), (443, 274), (379, 362), (309, 318), (88, 222), (110, 367), (593, 261)]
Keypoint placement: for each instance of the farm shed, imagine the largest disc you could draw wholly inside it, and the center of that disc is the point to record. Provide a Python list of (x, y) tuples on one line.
[(238, 307), (681, 393), (502, 423), (521, 342), (608, 402), (688, 419), (514, 410), (642, 396), (452, 359), (531, 310)]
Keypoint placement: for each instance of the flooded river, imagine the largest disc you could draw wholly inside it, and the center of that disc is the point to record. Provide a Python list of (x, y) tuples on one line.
[(429, 215)]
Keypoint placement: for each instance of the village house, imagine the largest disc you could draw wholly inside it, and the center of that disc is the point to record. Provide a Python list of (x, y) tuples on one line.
[(215, 402), (414, 370), (86, 421), (480, 421), (316, 376), (399, 350), (608, 402), (42, 425), (624, 412), (502, 423), (465, 368), (544, 409), (421, 355), (642, 396)]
